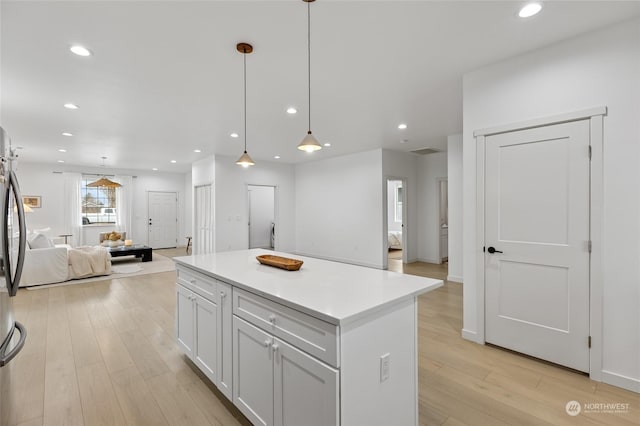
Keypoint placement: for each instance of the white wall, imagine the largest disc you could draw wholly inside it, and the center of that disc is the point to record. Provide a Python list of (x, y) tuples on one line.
[(597, 69), (392, 224), (430, 168), (40, 179), (231, 208), (454, 173), (339, 209), (262, 209)]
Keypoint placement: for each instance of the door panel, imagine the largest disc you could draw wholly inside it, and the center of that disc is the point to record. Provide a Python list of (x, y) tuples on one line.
[(184, 320), (206, 325), (537, 214), (252, 372), (163, 219), (305, 389), (225, 337)]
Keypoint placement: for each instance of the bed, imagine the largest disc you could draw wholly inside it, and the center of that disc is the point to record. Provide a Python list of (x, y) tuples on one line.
[(395, 240)]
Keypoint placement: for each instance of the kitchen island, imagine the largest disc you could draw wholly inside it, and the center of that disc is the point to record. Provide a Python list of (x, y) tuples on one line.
[(329, 344)]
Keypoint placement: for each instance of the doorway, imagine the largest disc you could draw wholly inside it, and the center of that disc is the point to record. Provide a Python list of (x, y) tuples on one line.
[(443, 222), (262, 226), (395, 241), (203, 219), (163, 219)]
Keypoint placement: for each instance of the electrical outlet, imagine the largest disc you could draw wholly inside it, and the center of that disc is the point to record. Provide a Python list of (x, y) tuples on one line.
[(385, 361)]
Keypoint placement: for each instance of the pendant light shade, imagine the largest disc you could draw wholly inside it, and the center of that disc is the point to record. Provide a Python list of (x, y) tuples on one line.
[(245, 48), (309, 142), (103, 182), (245, 160)]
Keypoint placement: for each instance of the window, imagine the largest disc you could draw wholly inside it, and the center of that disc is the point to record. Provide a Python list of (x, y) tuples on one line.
[(398, 216), (98, 204)]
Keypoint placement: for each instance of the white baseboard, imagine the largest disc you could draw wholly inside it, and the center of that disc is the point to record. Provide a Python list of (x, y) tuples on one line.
[(621, 381), (454, 278), (412, 260), (471, 335)]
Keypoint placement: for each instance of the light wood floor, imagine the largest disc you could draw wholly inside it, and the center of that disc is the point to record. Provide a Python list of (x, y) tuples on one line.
[(104, 354)]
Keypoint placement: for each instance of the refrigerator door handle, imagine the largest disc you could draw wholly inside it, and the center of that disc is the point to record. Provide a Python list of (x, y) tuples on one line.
[(14, 276), (5, 358)]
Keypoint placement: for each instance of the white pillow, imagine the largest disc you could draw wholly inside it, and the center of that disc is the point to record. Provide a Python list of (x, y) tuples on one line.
[(38, 241)]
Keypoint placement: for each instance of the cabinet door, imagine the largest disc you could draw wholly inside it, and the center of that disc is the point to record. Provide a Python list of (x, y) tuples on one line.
[(305, 390), (206, 328), (184, 320), (225, 346), (252, 372)]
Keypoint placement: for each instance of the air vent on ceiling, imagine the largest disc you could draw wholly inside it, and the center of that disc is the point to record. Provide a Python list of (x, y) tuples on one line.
[(425, 151)]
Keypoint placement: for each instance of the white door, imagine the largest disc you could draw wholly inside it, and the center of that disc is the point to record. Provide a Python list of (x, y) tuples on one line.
[(184, 320), (252, 372), (305, 390), (163, 219), (537, 226), (261, 216), (206, 328), (224, 336), (203, 239)]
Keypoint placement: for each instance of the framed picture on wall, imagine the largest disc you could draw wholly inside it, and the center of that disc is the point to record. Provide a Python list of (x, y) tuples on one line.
[(33, 201)]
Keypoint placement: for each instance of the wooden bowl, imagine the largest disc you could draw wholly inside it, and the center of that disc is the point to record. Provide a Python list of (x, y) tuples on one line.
[(280, 262)]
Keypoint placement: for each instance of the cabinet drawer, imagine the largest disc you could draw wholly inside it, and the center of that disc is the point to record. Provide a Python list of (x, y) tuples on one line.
[(312, 335), (205, 286)]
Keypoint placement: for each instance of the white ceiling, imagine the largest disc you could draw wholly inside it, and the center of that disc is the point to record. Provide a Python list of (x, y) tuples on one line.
[(165, 77)]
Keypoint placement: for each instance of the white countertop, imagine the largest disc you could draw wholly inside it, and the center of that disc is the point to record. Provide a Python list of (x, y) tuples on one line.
[(338, 293)]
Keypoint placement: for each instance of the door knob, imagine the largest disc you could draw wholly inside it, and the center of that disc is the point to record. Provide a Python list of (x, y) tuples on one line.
[(493, 250)]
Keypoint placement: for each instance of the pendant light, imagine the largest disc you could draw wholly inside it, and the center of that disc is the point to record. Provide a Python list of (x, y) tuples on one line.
[(103, 182), (245, 48), (309, 143)]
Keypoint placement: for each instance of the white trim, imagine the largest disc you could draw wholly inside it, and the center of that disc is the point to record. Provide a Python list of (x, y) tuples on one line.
[(454, 279), (473, 336), (596, 275), (544, 121), (480, 285), (621, 381), (596, 117)]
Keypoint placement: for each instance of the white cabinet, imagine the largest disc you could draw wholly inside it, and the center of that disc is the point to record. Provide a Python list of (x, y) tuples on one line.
[(277, 384), (196, 329)]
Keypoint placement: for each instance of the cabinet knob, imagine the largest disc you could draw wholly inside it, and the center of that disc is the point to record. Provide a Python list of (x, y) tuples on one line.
[(267, 343), (272, 318), (223, 294), (275, 348), (192, 281)]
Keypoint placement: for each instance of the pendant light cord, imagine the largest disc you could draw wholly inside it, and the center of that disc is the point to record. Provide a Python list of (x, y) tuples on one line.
[(309, 58), (244, 58)]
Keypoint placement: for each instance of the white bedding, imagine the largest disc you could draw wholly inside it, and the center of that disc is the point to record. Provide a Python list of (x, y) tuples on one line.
[(395, 240)]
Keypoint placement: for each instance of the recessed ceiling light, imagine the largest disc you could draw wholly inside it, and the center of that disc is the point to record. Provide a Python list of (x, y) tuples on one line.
[(60, 161), (277, 157), (80, 50), (234, 135), (67, 134), (154, 169), (327, 144), (291, 110), (402, 126), (62, 150), (197, 150), (173, 161), (529, 10), (71, 106)]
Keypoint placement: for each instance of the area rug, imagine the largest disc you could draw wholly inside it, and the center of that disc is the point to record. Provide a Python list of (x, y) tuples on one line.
[(123, 268)]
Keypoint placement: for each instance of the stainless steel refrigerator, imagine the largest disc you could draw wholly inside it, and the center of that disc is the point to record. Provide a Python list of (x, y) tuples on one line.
[(12, 246)]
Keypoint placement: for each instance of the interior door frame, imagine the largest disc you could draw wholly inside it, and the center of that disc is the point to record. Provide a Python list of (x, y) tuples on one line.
[(385, 220), (275, 212), (149, 192), (596, 122), (439, 181)]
